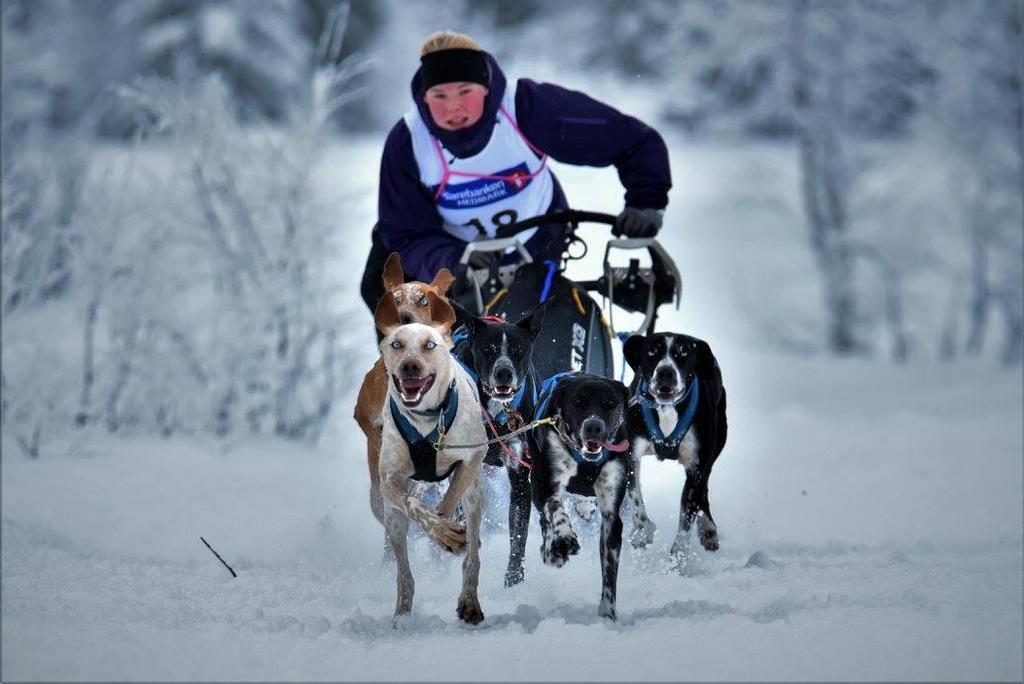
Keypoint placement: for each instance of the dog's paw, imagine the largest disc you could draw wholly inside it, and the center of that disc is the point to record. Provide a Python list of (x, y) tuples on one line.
[(556, 550), (586, 509), (607, 610), (681, 545), (685, 559), (707, 531), (643, 533), (514, 576), (450, 535), (469, 610)]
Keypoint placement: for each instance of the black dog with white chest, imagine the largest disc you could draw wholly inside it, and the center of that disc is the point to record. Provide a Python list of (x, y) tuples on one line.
[(676, 412), (498, 355), (585, 452)]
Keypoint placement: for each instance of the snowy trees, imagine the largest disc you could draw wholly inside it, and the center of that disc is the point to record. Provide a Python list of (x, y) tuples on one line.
[(194, 265), (197, 262), (982, 113), (860, 87), (222, 323), (257, 46)]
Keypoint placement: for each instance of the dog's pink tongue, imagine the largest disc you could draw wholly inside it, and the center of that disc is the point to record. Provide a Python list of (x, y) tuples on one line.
[(411, 386)]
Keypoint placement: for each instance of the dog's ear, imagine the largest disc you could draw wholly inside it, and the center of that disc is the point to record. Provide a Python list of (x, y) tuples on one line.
[(623, 392), (464, 317), (556, 398), (533, 321), (633, 351), (441, 312), (707, 366), (393, 275), (708, 371), (386, 316), (442, 281)]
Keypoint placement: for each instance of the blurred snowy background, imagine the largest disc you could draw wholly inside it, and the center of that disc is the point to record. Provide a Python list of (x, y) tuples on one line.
[(187, 194)]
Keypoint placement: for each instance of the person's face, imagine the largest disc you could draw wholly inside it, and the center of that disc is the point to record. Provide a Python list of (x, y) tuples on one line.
[(455, 106)]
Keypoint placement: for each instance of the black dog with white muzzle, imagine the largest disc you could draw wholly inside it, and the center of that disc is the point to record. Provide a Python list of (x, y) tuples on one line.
[(585, 452), (498, 356), (676, 412)]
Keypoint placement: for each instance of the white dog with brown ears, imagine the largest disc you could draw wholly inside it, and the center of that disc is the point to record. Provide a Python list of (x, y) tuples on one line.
[(431, 401)]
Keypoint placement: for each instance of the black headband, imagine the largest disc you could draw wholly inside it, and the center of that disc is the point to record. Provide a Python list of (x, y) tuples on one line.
[(453, 66)]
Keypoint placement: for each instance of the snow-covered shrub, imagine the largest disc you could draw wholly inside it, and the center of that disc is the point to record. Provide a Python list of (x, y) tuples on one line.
[(41, 187), (212, 298), (34, 392)]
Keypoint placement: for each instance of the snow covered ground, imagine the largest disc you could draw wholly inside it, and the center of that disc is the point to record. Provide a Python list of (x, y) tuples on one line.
[(870, 515)]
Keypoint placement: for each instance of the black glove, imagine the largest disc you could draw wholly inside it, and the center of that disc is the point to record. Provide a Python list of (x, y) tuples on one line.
[(638, 223), (481, 259)]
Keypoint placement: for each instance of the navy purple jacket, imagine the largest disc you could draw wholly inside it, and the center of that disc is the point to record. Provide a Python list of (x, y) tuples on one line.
[(567, 125)]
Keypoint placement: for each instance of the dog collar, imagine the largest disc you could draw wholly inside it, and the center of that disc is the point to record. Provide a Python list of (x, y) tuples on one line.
[(606, 452), (686, 408)]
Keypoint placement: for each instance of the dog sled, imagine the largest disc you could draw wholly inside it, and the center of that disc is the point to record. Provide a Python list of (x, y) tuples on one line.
[(576, 333)]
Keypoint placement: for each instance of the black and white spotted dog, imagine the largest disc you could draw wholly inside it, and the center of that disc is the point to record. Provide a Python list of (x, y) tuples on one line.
[(498, 355), (586, 453), (676, 412)]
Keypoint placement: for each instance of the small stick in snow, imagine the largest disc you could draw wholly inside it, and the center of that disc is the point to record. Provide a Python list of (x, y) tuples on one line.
[(233, 574)]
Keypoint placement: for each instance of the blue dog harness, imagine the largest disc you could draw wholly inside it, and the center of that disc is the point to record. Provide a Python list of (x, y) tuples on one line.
[(421, 447), (546, 389), (686, 409)]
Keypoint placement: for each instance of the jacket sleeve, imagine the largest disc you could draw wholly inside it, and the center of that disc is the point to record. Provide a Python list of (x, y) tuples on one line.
[(406, 216), (576, 129)]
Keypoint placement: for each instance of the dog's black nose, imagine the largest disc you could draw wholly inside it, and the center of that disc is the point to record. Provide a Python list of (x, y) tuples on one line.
[(503, 375), (593, 430), (406, 319), (664, 376), (411, 369)]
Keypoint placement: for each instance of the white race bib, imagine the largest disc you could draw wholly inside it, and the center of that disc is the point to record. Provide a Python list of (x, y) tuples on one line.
[(505, 182)]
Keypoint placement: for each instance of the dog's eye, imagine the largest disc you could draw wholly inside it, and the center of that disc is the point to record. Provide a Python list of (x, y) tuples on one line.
[(653, 351), (579, 401), (395, 344), (430, 345), (608, 403), (423, 300), (493, 348)]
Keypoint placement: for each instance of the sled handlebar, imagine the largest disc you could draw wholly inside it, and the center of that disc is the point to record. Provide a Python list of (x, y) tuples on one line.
[(569, 216)]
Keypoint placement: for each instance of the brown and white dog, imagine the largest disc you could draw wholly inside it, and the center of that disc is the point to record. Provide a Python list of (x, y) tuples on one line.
[(402, 303), (431, 400)]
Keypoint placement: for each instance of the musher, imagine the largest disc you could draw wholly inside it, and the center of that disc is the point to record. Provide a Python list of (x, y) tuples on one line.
[(472, 156)]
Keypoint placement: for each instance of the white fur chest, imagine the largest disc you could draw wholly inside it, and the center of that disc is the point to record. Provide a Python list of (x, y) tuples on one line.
[(686, 453), (667, 419), (688, 448)]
